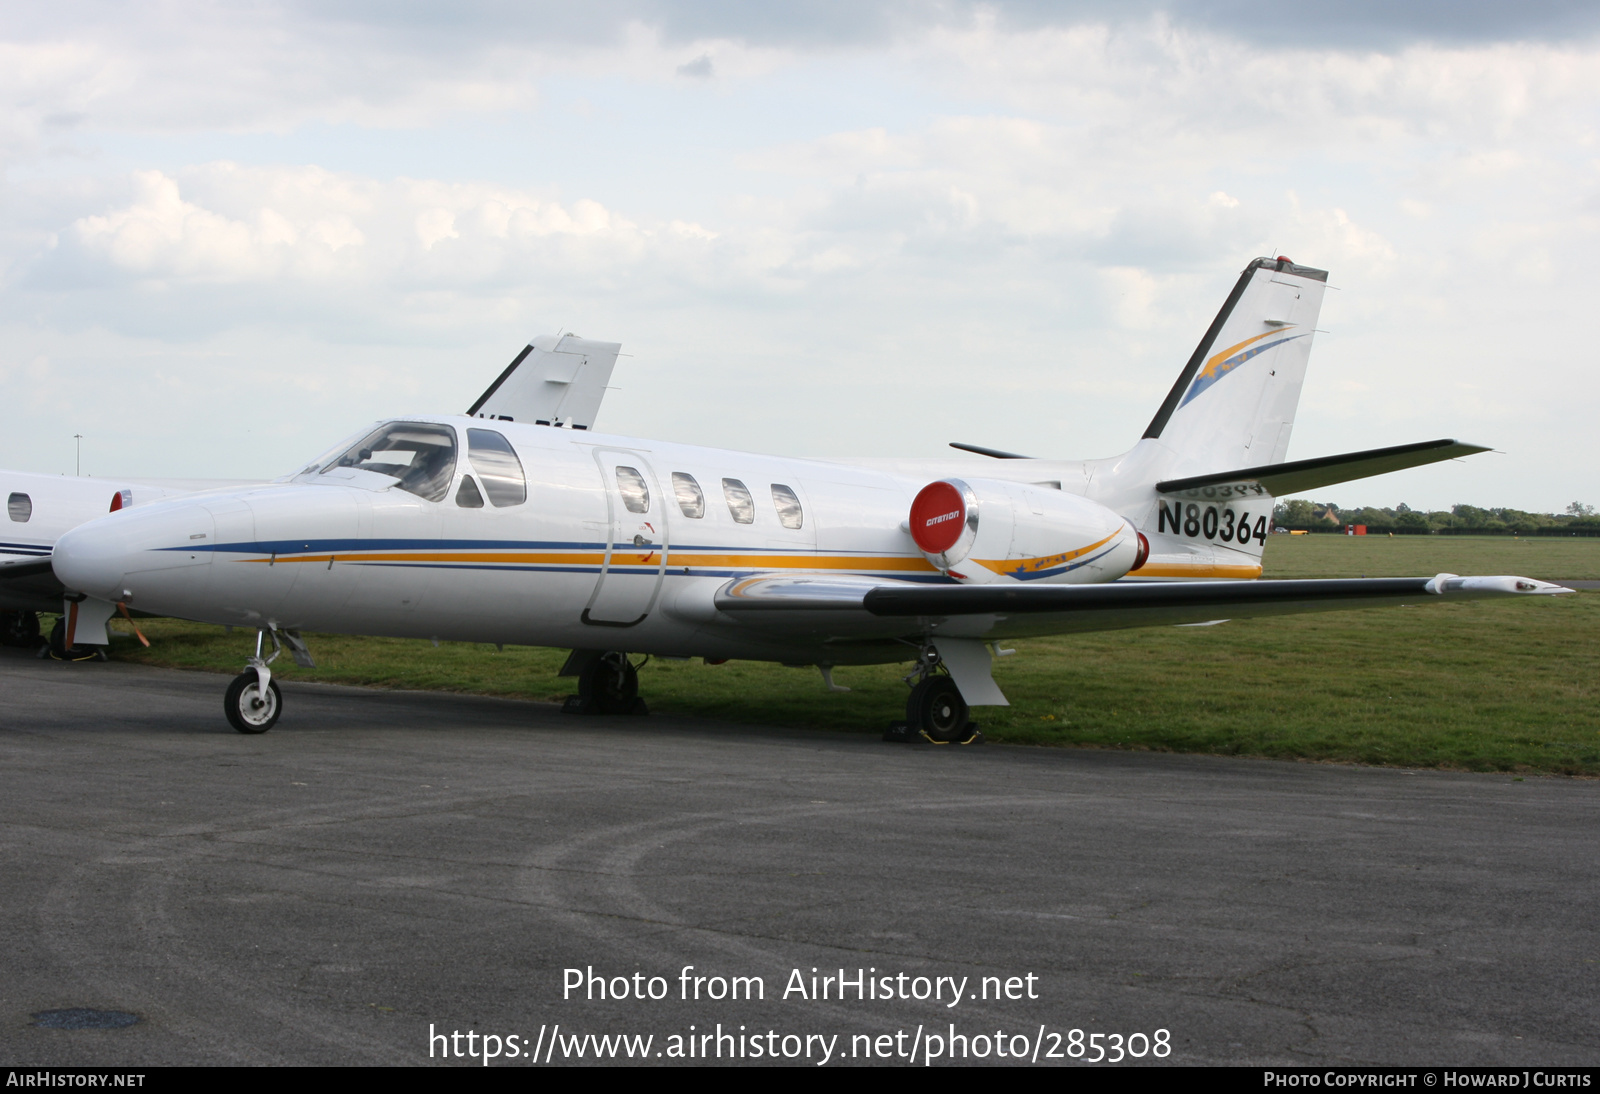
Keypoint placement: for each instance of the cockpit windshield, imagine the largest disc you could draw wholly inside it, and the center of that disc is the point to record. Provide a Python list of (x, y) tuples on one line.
[(419, 455)]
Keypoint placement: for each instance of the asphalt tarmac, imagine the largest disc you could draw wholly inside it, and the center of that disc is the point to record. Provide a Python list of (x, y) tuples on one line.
[(383, 864)]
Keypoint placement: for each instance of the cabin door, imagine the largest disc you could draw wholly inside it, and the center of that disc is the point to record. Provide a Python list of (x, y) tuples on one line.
[(636, 552)]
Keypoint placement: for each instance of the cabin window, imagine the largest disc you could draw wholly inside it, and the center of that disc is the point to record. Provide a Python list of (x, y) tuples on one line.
[(690, 499), (497, 465), (740, 503), (419, 456), (788, 505), (467, 495), (635, 494), (19, 507)]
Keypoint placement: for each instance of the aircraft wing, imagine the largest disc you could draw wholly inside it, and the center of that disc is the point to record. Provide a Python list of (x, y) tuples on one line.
[(863, 609), (1298, 476), (28, 585), (553, 381)]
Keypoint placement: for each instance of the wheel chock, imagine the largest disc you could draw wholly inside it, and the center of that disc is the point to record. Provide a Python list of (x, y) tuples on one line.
[(577, 704), (903, 734), (900, 733)]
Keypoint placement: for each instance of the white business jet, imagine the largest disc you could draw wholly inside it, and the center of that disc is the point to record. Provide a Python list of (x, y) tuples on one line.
[(517, 523)]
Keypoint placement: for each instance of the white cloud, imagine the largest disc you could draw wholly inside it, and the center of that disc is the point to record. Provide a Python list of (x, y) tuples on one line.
[(303, 228), (988, 215)]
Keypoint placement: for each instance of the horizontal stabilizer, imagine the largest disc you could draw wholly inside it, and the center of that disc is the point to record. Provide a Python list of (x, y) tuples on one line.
[(554, 381), (993, 452), (1298, 476)]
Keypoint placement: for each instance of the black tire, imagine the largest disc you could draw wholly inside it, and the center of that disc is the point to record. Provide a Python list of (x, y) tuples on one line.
[(244, 708), (20, 629), (937, 710), (610, 685), (58, 649)]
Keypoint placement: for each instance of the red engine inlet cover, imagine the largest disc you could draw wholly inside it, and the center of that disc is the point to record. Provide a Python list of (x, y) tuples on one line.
[(938, 514)]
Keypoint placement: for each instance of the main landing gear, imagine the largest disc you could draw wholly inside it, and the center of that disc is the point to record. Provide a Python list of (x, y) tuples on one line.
[(608, 683), (935, 712), (19, 629)]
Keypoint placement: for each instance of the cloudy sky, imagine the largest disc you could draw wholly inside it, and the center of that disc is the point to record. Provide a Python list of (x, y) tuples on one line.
[(231, 234)]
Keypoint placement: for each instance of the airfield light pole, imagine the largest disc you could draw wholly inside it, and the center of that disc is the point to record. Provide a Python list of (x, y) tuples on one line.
[(79, 438)]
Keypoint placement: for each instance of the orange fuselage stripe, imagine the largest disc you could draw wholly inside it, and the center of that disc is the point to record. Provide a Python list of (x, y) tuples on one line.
[(849, 563), (1045, 562)]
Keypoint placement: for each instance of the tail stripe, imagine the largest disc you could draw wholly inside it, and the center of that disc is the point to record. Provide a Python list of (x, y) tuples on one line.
[(1175, 397), (1222, 364)]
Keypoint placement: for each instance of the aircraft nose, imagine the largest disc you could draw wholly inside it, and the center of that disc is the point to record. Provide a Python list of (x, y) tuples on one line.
[(102, 557)]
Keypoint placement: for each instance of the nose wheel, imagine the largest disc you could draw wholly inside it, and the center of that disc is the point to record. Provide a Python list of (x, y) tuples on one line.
[(249, 708), (253, 701), (58, 650)]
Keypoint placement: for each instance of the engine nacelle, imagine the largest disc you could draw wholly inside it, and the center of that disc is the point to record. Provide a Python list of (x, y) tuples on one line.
[(986, 530)]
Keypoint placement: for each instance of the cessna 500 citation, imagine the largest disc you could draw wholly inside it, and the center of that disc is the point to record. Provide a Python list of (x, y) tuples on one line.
[(516, 523)]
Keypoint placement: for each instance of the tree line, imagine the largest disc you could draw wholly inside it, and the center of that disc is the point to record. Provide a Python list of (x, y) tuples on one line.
[(1300, 513)]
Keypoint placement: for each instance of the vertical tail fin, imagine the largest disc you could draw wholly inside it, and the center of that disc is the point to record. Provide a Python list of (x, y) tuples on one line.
[(1232, 407), (1234, 403)]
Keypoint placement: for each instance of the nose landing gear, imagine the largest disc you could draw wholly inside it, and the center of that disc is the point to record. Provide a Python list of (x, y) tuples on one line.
[(253, 701), (57, 649)]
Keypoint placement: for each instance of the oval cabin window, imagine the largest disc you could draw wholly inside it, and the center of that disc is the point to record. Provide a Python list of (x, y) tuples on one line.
[(788, 506), (635, 494), (690, 498), (740, 504), (20, 507)]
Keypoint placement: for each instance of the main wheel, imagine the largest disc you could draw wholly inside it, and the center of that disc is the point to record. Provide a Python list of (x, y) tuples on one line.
[(247, 709), (20, 629), (610, 685), (937, 709)]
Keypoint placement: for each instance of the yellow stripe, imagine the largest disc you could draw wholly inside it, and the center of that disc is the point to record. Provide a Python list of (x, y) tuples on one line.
[(1211, 365), (593, 558), (770, 562), (1044, 563), (1195, 569), (805, 562)]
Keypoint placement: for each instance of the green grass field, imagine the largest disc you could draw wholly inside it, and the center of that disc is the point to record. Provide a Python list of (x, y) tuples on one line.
[(1497, 686), (1546, 557)]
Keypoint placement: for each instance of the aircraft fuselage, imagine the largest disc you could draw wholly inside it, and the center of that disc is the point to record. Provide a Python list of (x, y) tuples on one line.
[(582, 562)]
